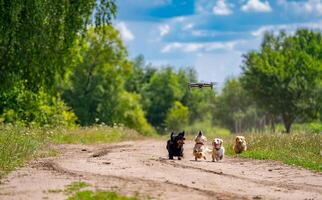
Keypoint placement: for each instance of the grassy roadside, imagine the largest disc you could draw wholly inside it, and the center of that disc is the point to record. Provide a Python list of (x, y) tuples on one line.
[(293, 149), (20, 144)]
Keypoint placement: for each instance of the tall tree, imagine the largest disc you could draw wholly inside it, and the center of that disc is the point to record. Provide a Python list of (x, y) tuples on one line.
[(284, 74), (234, 109), (160, 94), (96, 89), (36, 36)]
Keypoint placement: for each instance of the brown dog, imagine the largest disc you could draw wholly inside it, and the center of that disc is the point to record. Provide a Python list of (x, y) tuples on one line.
[(240, 144), (200, 150)]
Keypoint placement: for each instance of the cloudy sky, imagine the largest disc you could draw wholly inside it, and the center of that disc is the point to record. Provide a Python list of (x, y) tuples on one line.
[(209, 35)]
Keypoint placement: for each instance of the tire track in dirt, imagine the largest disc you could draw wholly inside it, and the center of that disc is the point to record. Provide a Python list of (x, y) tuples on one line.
[(51, 165), (307, 187)]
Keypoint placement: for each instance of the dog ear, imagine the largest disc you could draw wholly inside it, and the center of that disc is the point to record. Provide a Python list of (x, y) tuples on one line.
[(183, 133), (200, 133), (171, 136)]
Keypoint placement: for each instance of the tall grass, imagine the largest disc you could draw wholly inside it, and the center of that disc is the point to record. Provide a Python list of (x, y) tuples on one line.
[(18, 144), (299, 149)]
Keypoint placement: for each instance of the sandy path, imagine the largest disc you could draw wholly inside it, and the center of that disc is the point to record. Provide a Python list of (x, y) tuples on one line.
[(141, 168)]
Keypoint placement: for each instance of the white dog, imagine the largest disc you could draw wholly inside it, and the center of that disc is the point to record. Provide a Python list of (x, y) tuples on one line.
[(200, 150), (218, 150)]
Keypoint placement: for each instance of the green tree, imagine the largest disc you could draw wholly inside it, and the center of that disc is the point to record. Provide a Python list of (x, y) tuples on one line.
[(283, 76), (177, 117), (36, 36), (234, 109), (140, 76), (96, 89), (97, 81), (160, 94)]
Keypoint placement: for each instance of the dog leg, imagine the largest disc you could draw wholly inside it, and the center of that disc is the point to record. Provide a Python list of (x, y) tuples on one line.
[(179, 158), (171, 157), (213, 158), (196, 158), (205, 158)]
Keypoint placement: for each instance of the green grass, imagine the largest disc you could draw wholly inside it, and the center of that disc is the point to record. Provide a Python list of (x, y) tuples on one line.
[(76, 191), (98, 195), (20, 144), (293, 149), (75, 187), (96, 134)]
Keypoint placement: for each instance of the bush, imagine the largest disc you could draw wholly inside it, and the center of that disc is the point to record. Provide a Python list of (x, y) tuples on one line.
[(177, 117), (23, 107)]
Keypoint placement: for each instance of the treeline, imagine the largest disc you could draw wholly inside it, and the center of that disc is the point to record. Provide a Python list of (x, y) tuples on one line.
[(59, 66)]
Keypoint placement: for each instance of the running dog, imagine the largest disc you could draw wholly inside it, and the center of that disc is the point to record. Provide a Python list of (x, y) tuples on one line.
[(200, 150), (240, 144), (218, 150), (175, 145)]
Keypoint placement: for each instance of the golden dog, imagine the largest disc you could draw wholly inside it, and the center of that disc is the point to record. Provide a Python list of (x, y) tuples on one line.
[(240, 144)]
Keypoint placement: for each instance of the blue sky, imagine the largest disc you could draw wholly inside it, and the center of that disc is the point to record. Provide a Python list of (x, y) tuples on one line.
[(209, 35)]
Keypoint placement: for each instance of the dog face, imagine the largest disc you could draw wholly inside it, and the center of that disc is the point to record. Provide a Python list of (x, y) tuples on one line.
[(200, 138), (217, 143), (179, 139), (240, 140)]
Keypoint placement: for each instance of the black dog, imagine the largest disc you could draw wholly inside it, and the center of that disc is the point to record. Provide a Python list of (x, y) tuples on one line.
[(175, 145)]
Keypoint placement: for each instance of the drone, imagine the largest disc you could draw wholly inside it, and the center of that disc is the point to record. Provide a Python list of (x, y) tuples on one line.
[(201, 85)]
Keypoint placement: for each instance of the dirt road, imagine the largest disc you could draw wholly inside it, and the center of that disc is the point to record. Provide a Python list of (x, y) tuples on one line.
[(141, 168)]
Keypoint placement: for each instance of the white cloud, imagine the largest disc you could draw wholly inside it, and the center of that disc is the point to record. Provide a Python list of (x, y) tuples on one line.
[(164, 29), (289, 28), (313, 7), (222, 8), (126, 34), (256, 6), (188, 26), (194, 46)]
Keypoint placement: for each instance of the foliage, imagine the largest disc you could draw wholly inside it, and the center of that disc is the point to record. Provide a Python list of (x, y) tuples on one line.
[(160, 94), (35, 38), (24, 106), (284, 75), (299, 149), (140, 75), (133, 115), (234, 109), (177, 117), (96, 90)]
